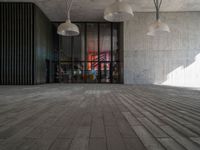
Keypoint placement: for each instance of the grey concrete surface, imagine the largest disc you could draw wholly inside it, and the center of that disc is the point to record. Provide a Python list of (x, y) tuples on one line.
[(171, 59), (99, 117), (92, 10)]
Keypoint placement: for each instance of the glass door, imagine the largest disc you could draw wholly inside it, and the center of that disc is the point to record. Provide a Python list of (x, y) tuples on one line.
[(91, 57)]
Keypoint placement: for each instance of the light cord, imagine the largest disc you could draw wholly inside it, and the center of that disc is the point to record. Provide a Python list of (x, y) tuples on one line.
[(68, 7), (157, 4)]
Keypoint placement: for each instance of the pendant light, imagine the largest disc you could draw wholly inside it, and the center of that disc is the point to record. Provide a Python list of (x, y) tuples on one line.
[(68, 28), (119, 11), (158, 25)]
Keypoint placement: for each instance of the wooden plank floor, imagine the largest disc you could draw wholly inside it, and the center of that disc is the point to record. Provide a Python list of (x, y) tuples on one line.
[(99, 117)]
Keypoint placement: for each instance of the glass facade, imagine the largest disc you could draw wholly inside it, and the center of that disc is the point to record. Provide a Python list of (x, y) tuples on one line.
[(91, 57)]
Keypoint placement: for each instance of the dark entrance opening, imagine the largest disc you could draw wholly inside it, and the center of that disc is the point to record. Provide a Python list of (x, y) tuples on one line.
[(47, 71)]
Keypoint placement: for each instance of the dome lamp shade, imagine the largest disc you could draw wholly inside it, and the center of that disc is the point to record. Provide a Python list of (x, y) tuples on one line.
[(158, 25), (68, 28), (119, 11)]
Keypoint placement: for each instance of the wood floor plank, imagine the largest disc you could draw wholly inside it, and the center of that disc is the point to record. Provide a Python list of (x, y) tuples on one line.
[(134, 144), (187, 143), (131, 119), (170, 144), (99, 116), (97, 144), (155, 130), (97, 130), (147, 139), (196, 140), (60, 144), (79, 144), (114, 139), (180, 128)]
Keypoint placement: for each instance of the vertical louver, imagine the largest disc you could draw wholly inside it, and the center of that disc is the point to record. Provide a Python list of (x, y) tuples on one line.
[(16, 43)]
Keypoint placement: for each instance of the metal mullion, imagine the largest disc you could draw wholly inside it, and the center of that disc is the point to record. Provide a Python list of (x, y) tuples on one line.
[(119, 53), (111, 63), (85, 63), (6, 47), (19, 46), (31, 56), (23, 43), (72, 58), (14, 49), (17, 43), (27, 43), (22, 48), (7, 44), (12, 46), (99, 64), (2, 43)]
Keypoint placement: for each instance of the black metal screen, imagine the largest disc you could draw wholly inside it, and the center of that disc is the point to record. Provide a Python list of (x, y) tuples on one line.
[(16, 43)]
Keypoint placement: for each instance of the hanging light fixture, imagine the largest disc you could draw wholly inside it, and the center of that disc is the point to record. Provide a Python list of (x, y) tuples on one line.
[(68, 28), (119, 11), (158, 25)]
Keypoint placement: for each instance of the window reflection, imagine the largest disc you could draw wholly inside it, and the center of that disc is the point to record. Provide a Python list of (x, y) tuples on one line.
[(115, 43), (105, 42), (65, 48), (79, 44), (92, 42)]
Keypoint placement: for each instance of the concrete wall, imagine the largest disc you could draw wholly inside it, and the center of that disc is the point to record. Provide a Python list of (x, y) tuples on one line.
[(169, 59), (44, 50)]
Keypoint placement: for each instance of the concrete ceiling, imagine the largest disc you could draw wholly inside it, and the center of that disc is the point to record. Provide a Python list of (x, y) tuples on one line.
[(92, 10)]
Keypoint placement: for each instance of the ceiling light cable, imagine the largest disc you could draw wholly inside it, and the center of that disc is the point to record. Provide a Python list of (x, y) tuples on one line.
[(68, 28)]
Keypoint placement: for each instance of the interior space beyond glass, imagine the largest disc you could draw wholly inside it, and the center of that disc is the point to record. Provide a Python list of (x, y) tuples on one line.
[(91, 57)]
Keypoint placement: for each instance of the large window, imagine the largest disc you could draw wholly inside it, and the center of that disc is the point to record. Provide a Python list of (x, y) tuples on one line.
[(91, 57)]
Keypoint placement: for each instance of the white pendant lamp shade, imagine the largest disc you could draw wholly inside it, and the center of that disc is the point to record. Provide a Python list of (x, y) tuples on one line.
[(158, 26), (118, 12), (68, 29)]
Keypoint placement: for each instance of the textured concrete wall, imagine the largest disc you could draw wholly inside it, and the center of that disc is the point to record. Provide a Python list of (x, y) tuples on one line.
[(43, 38), (170, 59)]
